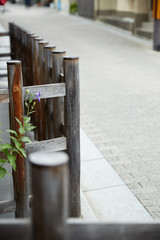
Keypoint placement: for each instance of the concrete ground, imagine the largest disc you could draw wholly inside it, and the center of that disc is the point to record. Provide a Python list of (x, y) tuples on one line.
[(120, 104)]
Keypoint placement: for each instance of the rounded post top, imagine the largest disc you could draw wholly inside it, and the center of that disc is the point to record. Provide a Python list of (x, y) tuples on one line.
[(59, 52), (49, 46), (14, 62), (48, 159), (68, 58), (38, 39), (43, 42)]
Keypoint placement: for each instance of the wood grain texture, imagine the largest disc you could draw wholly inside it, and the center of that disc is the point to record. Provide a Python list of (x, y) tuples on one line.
[(7, 206), (50, 145), (48, 79), (49, 179), (72, 130), (58, 103), (47, 90), (42, 118), (17, 110)]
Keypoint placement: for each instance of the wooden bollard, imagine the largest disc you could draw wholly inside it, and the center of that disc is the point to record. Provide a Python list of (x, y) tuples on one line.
[(49, 173), (58, 103), (49, 102), (42, 118), (72, 130), (15, 85)]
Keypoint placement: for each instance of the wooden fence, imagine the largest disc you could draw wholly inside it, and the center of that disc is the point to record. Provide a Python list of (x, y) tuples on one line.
[(49, 221), (56, 76)]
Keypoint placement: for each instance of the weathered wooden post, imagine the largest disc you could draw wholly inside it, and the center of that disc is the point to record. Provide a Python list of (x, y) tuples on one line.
[(72, 130), (15, 85), (42, 118), (49, 102), (49, 187), (58, 103), (36, 81)]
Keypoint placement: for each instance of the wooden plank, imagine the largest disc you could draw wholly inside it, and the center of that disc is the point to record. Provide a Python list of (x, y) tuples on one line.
[(5, 54), (4, 91), (7, 206), (58, 103), (49, 183), (47, 90), (3, 75), (112, 231), (19, 229), (3, 34), (72, 130), (55, 144), (17, 110)]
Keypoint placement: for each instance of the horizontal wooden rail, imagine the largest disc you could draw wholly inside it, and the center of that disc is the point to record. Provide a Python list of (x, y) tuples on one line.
[(47, 90), (5, 54), (21, 230), (55, 144), (3, 34), (113, 231), (7, 206), (3, 75)]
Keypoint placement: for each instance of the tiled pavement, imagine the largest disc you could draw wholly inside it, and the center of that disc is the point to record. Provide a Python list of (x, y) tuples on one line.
[(120, 87)]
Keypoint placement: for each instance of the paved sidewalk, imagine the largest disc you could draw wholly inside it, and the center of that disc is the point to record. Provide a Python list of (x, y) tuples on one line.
[(120, 108)]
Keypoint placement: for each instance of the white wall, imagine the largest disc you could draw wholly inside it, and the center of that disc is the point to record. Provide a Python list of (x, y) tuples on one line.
[(125, 5), (105, 4)]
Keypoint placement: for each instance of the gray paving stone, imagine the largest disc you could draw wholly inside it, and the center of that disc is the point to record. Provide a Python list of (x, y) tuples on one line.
[(88, 149), (116, 206), (98, 174)]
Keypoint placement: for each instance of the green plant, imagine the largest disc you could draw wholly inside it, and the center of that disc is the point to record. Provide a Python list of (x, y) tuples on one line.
[(73, 8), (10, 151)]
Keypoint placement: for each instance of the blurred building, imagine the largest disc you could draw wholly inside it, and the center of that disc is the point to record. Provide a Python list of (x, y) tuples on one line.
[(132, 15)]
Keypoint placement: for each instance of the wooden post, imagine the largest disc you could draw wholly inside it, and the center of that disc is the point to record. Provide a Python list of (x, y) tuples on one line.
[(72, 130), (17, 110), (58, 103), (49, 103), (36, 81), (42, 118), (11, 33), (49, 187)]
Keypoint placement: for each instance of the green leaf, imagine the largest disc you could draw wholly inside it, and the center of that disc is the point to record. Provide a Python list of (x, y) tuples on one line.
[(26, 104), (2, 172), (21, 130), (22, 151), (27, 119), (25, 139), (18, 121), (5, 151), (14, 139), (13, 132), (29, 128), (2, 160), (12, 160), (16, 151), (18, 145), (6, 146), (31, 112)]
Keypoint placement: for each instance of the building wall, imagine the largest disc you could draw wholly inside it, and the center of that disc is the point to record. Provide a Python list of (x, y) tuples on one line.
[(125, 5), (86, 8)]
